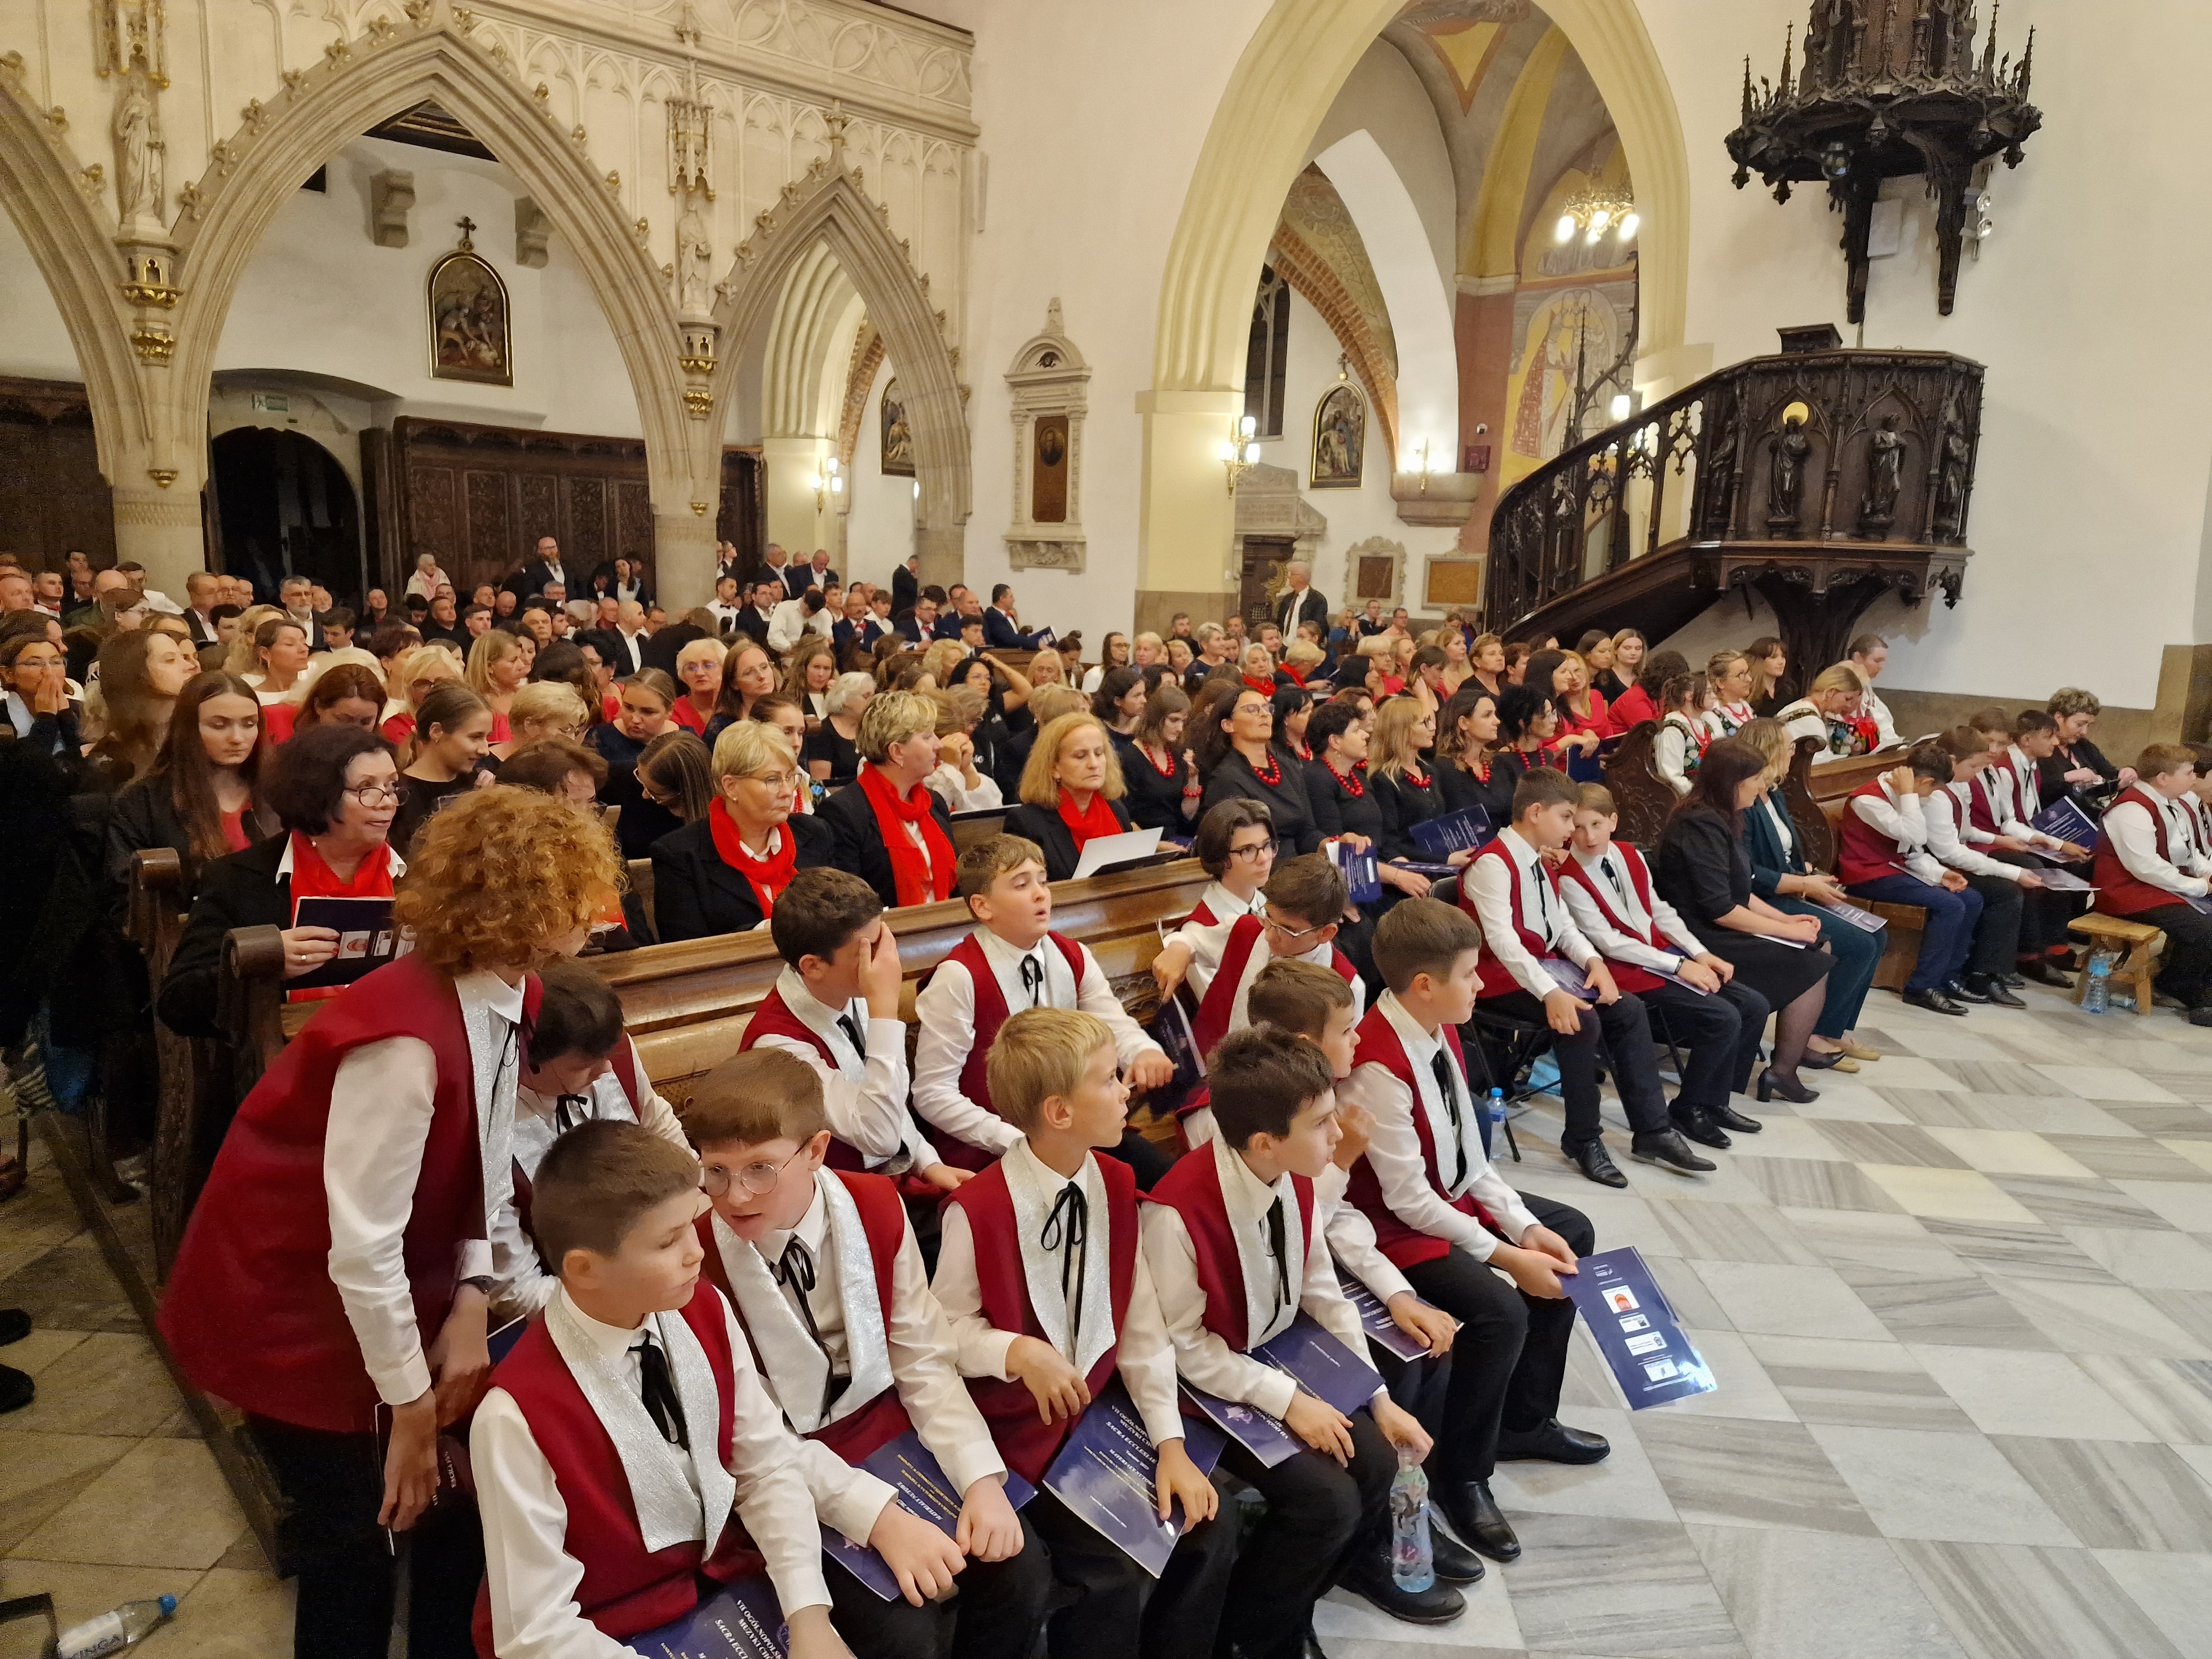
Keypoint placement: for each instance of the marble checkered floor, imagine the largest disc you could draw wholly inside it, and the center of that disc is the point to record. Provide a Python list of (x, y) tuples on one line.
[(1960, 1308)]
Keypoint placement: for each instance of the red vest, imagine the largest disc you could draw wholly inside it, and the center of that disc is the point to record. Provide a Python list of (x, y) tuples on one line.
[(990, 1005), (1863, 851), (882, 1222), (1406, 1246), (774, 1018), (625, 1589), (249, 1311), (1029, 1445), (1192, 1190), (1220, 1000), (1625, 975), (1987, 808), (2118, 892), (1496, 979)]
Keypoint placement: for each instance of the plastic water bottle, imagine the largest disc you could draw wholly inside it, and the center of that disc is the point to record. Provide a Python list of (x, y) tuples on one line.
[(1413, 1560), (134, 1621), (1496, 1108), (2097, 998)]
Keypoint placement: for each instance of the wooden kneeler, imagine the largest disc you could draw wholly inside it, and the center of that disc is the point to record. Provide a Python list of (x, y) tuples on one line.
[(2143, 944)]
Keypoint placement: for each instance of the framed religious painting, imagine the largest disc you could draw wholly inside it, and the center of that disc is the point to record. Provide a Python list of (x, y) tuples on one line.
[(1340, 438), (897, 435), (469, 339)]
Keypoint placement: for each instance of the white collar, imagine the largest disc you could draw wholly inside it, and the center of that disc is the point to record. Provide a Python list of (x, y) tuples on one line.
[(1419, 1045), (1002, 950), (1034, 1188), (489, 990), (610, 1342), (817, 1015), (1247, 1200), (399, 867)]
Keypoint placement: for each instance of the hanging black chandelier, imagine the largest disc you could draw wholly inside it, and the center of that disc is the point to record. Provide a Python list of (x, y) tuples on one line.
[(1890, 89)]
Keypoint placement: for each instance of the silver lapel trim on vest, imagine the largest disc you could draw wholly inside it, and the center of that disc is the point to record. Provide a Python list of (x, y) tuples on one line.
[(867, 1342), (1264, 1313), (796, 1370), (1035, 1189)]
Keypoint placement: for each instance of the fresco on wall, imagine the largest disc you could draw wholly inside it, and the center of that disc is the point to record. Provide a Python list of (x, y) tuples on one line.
[(1340, 439), (1556, 329), (469, 337), (897, 435)]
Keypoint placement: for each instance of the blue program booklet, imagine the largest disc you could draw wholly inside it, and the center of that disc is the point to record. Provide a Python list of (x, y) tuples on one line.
[(740, 1620), (1455, 832), (1635, 1329), (1363, 883), (1375, 1319), (1261, 1434), (923, 1489), (2067, 822), (1321, 1365), (1108, 1474)]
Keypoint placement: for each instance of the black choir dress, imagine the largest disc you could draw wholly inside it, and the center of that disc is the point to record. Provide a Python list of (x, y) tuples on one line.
[(1233, 779), (1704, 872), (1155, 800)]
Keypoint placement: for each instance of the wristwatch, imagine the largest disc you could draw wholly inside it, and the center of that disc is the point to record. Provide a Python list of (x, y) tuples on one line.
[(483, 1282)]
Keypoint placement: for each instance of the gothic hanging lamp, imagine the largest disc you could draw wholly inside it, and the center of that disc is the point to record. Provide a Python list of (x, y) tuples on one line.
[(1890, 89)]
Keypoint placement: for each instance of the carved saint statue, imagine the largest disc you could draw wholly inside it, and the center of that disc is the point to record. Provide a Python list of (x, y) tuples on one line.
[(1786, 488), (138, 152), (1951, 483), (695, 257), (1885, 472)]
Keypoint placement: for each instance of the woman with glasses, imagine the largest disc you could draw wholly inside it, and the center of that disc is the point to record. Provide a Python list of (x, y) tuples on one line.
[(543, 708), (39, 706), (722, 873), (1238, 761)]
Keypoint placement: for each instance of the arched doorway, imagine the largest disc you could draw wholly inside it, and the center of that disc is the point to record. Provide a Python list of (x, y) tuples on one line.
[(281, 505)]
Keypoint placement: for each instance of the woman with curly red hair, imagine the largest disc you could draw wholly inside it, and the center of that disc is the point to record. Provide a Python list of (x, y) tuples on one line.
[(334, 1280)]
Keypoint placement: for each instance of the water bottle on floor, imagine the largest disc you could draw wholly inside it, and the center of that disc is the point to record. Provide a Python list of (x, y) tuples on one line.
[(1413, 1560), (1497, 1108), (133, 1622), (2097, 997)]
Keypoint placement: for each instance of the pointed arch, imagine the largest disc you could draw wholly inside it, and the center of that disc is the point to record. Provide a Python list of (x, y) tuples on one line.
[(828, 207)]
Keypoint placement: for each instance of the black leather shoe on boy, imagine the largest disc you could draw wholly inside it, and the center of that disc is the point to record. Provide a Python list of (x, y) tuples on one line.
[(1552, 1441), (1988, 987), (1369, 1578), (1695, 1123), (1456, 1563), (1594, 1161), (1667, 1148), (1935, 1002), (1732, 1121), (1474, 1516)]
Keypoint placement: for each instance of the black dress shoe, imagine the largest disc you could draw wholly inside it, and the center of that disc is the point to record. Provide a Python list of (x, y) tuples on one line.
[(1369, 1578), (16, 1389), (1990, 988), (1934, 1001), (1959, 991), (1474, 1516), (1667, 1148), (1555, 1443), (1456, 1563), (2012, 981), (1695, 1123), (1594, 1161), (1732, 1121), (1772, 1083), (2044, 971), (14, 1326)]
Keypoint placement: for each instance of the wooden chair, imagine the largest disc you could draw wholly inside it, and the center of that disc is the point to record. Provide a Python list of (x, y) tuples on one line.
[(1816, 799), (1642, 796), (2142, 944)]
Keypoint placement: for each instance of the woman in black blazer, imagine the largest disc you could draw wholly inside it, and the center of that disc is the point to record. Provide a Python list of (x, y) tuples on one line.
[(1163, 789), (1472, 770), (1238, 761), (707, 879), (1071, 791), (1703, 871)]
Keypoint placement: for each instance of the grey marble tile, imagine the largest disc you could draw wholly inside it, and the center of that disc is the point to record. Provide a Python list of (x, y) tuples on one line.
[(2190, 1309), (2100, 1319), (1876, 1385), (1817, 1596), (1688, 1293), (1622, 1487), (2175, 1123), (1735, 1233), (1599, 1586), (2133, 1159), (1995, 1076), (2027, 1393), (2171, 1590), (1921, 1484), (1744, 1390), (2015, 1250), (1750, 1474), (1934, 1106), (2063, 1202), (1817, 1184), (2117, 1495), (2188, 1085), (1918, 1308), (2015, 1601), (1891, 1143), (1788, 1301), (2184, 1204), (2171, 1398)]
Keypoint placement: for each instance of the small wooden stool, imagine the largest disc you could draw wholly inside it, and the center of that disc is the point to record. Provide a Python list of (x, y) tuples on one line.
[(2143, 941)]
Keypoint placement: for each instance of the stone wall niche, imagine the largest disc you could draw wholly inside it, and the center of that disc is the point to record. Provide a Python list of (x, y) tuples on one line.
[(1049, 382)]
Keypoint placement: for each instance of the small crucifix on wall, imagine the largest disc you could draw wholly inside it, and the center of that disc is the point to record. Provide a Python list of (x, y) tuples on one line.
[(468, 228)]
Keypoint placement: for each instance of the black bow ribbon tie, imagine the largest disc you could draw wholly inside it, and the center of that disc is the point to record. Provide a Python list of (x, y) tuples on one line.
[(1033, 981), (1448, 1093), (1068, 1229), (569, 1110), (658, 1388), (855, 1035), (794, 1271), (1278, 1247)]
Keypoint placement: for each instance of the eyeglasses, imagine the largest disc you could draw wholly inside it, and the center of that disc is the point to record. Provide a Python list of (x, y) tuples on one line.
[(776, 781), (1291, 933), (1254, 853), (372, 795), (758, 1179)]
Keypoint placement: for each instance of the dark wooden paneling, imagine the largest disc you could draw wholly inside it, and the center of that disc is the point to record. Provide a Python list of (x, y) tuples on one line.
[(52, 497)]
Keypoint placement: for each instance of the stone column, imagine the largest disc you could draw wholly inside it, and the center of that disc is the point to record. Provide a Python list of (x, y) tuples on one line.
[(683, 556), (160, 529), (944, 555), (1185, 515)]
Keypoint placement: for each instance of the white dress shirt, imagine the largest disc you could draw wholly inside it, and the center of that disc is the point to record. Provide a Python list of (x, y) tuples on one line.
[(2024, 797), (946, 1009), (1204, 1358), (726, 616), (947, 783), (382, 1099), (1079, 1325), (1609, 869), (1543, 913), (1905, 820), (532, 1577), (1209, 946), (864, 1095), (632, 645), (788, 623), (1395, 1147), (1351, 1237), (2128, 825), (1946, 815)]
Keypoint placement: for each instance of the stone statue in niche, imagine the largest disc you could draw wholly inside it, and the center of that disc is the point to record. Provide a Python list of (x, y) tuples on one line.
[(1951, 483), (695, 258), (138, 153), (1786, 488), (1884, 474)]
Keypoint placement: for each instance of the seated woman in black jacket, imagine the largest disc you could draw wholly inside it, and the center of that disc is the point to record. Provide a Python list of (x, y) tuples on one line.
[(39, 707), (892, 830), (1472, 770), (1238, 761), (2077, 768), (721, 873), (1072, 792), (1703, 872), (1163, 788), (198, 799), (335, 790)]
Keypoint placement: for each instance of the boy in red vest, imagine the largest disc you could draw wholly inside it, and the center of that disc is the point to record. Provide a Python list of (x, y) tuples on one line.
[(1716, 1022), (626, 1451), (1040, 1274), (1013, 961), (1448, 1222), (829, 1283), (1302, 908), (1882, 854), (835, 1005), (1236, 1252), (2149, 867), (1529, 939)]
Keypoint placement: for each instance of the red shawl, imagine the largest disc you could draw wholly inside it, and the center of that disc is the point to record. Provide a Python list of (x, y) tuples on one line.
[(767, 877), (918, 875), (1097, 819)]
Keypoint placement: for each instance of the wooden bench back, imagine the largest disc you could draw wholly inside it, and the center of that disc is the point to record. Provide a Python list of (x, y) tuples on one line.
[(1643, 797)]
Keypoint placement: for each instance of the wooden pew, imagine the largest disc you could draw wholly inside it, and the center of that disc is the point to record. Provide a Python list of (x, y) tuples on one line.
[(1643, 797), (1816, 795), (186, 1131)]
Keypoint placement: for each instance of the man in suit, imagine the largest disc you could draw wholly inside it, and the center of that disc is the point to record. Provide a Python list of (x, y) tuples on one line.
[(1298, 602), (856, 629), (203, 593), (789, 578), (758, 618), (1002, 626), (818, 572), (297, 595), (726, 562), (966, 608), (906, 584), (626, 639), (728, 613), (918, 627), (535, 574)]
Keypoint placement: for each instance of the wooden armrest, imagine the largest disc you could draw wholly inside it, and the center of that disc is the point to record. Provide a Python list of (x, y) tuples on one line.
[(254, 953)]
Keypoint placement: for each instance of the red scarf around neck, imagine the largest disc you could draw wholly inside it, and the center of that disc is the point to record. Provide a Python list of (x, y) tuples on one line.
[(918, 875), (1266, 687), (1097, 819), (767, 877)]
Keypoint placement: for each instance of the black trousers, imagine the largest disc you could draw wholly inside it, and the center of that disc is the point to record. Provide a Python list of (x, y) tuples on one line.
[(1511, 1355), (334, 1484), (2187, 970), (1626, 1032), (1146, 1161), (994, 1615), (1997, 935), (1319, 1515), (1718, 1036), (2042, 914), (1119, 1609)]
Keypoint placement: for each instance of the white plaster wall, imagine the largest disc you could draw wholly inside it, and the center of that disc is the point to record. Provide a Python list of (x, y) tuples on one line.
[(320, 297), (33, 341), (1383, 98), (2089, 518), (879, 522)]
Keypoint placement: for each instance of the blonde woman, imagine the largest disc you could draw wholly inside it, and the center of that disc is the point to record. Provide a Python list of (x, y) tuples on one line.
[(499, 664), (543, 708), (1404, 787), (280, 654), (964, 785), (1258, 668), (941, 659), (723, 872), (808, 668), (1829, 712), (1071, 791), (1628, 652), (244, 661), (421, 671), (1729, 673), (892, 830)]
